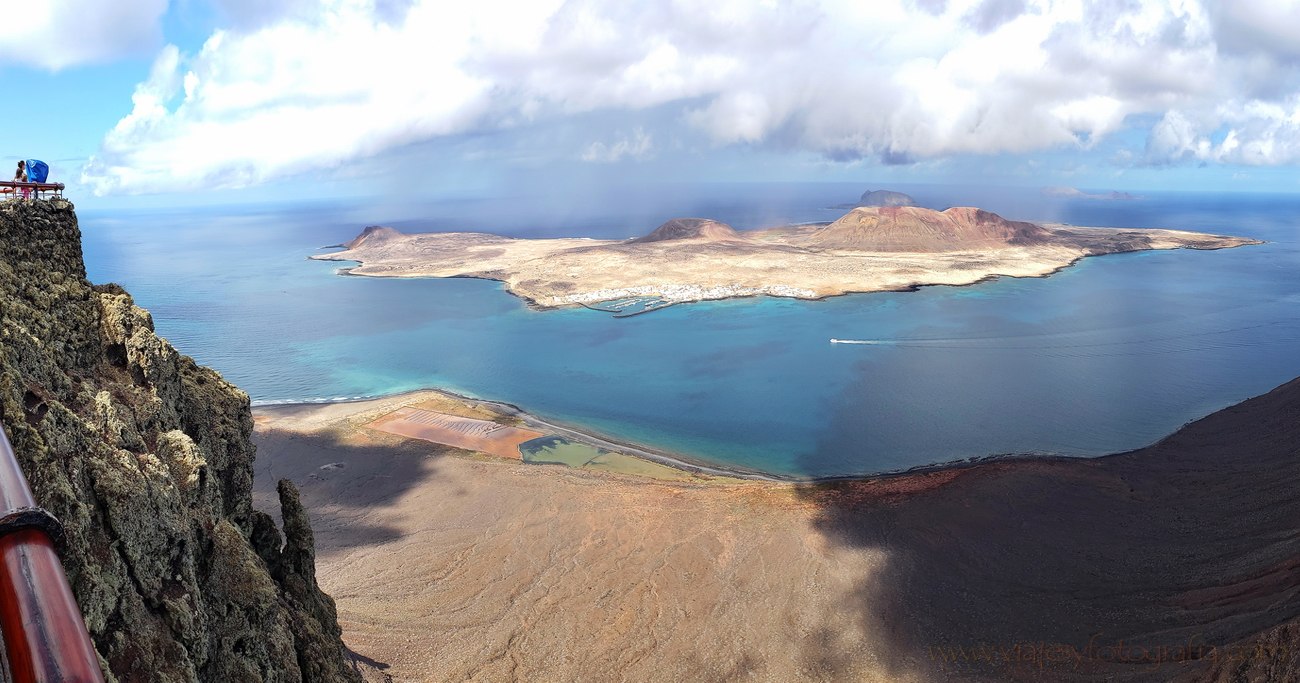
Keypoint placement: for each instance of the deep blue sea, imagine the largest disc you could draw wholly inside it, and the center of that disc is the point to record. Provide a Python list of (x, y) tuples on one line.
[(1108, 355)]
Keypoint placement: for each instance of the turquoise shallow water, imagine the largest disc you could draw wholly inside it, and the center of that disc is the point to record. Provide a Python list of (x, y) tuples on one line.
[(1108, 355)]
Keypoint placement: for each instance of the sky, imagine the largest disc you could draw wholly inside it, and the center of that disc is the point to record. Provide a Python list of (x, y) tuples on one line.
[(158, 102)]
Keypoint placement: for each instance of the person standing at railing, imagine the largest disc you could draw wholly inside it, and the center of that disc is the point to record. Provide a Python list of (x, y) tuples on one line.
[(21, 176)]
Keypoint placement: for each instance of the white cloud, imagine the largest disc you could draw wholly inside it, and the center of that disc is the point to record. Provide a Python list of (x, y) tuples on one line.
[(327, 81), (293, 96), (1252, 26), (1252, 133), (638, 145), (54, 34)]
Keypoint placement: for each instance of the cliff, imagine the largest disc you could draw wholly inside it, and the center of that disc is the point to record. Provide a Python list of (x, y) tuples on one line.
[(146, 458)]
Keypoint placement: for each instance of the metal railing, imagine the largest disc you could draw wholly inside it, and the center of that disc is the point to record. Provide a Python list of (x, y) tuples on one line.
[(45, 637), (13, 188)]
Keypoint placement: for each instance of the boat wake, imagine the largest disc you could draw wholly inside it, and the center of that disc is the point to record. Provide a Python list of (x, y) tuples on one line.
[(1098, 342)]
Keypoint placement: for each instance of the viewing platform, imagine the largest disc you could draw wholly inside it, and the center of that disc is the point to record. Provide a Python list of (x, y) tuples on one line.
[(12, 189)]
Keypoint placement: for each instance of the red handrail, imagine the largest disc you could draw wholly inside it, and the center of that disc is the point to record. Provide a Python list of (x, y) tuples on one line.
[(45, 637), (35, 189)]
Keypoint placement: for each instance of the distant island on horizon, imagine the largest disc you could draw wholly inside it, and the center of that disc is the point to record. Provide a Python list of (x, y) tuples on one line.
[(879, 198), (1076, 193), (869, 249), (885, 198)]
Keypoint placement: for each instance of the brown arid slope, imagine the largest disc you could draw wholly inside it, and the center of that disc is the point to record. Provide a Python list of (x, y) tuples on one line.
[(692, 259), (371, 236), (147, 459), (1176, 562), (914, 229), (1180, 561), (691, 229)]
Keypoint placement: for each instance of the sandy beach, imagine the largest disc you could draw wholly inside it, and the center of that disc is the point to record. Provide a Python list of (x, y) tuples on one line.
[(1172, 562)]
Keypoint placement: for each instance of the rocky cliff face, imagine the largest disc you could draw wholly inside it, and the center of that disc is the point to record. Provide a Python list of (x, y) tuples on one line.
[(147, 459)]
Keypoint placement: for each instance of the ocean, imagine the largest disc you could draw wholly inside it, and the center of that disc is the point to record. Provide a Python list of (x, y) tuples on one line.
[(1107, 355)]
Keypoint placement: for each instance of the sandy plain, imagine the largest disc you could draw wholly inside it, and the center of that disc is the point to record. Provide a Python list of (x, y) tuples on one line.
[(1180, 561)]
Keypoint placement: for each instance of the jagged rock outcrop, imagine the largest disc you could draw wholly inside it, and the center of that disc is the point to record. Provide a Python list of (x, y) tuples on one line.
[(146, 458)]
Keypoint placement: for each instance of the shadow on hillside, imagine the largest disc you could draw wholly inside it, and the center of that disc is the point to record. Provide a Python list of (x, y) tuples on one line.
[(369, 669), (1153, 565), (344, 486)]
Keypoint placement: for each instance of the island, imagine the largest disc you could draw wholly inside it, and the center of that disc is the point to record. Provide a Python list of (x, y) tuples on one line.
[(1076, 193), (869, 249), (885, 198)]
